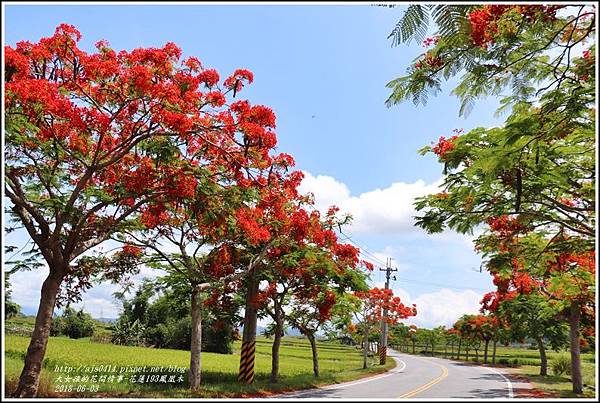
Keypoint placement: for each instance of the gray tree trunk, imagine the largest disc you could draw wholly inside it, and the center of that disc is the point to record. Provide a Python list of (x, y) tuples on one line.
[(196, 348), (543, 358), (250, 318), (275, 348), (315, 356), (576, 377), (485, 352), (366, 344), (29, 381)]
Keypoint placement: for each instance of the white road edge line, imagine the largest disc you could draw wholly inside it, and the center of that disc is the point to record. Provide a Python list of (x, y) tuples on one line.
[(392, 372), (343, 385), (508, 383)]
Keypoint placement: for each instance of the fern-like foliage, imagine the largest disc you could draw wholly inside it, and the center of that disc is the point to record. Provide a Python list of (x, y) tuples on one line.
[(412, 25)]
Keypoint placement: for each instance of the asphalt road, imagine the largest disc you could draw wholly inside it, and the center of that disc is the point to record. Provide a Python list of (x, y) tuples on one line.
[(420, 377)]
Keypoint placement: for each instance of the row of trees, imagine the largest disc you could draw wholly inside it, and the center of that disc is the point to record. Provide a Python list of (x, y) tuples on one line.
[(146, 150), (529, 184)]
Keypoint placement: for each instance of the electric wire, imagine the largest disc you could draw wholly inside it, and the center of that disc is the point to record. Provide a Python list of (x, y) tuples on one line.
[(365, 252)]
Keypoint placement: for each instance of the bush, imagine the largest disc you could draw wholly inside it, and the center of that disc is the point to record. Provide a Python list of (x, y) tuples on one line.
[(561, 365), (11, 309), (128, 333), (503, 361), (157, 336), (105, 338), (218, 338), (74, 324), (180, 334)]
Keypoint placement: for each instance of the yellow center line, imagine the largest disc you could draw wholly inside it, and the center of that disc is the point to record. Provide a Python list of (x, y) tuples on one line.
[(428, 385)]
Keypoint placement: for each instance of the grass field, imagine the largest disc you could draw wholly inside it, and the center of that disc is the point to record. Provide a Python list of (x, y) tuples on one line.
[(338, 363), (559, 386), (527, 362)]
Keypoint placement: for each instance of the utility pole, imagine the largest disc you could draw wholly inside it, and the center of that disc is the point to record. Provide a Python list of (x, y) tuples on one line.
[(384, 324)]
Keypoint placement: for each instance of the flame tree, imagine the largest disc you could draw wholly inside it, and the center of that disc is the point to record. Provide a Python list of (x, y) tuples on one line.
[(533, 179), (369, 312), (95, 141)]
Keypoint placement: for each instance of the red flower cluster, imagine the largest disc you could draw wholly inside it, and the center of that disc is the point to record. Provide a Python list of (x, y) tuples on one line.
[(236, 80), (531, 13), (564, 262), (132, 250), (490, 302), (249, 221), (505, 225), (154, 215), (433, 40), (378, 299), (484, 20), (443, 146), (326, 304), (430, 62)]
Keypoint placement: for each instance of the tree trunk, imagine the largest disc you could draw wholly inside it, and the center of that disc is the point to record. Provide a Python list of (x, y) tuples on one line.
[(196, 348), (366, 343), (29, 380), (315, 356), (576, 377), (413, 343), (459, 346), (494, 352), (246, 372), (275, 348), (485, 352), (543, 358), (467, 353)]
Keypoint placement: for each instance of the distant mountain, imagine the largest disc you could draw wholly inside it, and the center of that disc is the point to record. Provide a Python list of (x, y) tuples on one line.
[(292, 331), (259, 329), (106, 320)]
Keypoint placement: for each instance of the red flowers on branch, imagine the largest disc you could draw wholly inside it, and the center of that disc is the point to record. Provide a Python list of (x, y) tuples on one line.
[(377, 300), (484, 21), (444, 146)]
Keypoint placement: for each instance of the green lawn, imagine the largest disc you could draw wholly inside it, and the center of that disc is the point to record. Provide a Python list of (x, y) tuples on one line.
[(559, 385), (338, 363)]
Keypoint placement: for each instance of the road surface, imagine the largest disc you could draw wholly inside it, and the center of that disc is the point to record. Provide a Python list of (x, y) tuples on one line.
[(420, 377)]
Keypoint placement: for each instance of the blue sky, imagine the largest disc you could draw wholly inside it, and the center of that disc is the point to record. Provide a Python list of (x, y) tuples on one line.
[(323, 70)]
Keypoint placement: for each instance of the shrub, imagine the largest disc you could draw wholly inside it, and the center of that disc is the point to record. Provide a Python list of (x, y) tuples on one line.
[(180, 334), (128, 333), (218, 338), (157, 336), (74, 324), (11, 309), (503, 361), (561, 365), (101, 338)]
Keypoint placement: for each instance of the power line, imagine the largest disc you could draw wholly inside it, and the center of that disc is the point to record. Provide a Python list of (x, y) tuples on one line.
[(363, 250), (366, 252), (441, 285)]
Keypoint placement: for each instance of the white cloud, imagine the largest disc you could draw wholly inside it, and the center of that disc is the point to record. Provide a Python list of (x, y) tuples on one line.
[(379, 211), (26, 288), (98, 301), (441, 307)]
